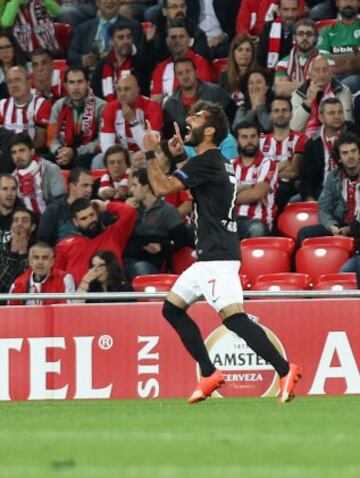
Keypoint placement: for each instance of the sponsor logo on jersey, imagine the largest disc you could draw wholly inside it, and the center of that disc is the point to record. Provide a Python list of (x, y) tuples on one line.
[(343, 49), (357, 34)]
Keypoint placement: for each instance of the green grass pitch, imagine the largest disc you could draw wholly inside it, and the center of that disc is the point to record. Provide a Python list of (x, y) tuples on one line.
[(312, 437)]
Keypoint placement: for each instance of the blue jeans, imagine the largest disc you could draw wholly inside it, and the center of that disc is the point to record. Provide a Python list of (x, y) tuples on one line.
[(350, 265), (136, 267)]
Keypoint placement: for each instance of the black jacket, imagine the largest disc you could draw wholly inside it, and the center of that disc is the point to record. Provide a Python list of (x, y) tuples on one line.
[(263, 50), (225, 10)]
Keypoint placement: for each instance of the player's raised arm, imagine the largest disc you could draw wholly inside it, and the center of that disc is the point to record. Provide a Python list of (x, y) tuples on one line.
[(160, 183)]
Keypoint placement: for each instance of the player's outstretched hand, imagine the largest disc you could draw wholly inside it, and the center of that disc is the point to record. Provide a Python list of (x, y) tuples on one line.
[(176, 144), (151, 138)]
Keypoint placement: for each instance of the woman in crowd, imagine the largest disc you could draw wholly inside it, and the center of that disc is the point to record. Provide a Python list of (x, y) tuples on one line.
[(258, 95), (10, 55), (104, 275), (241, 60)]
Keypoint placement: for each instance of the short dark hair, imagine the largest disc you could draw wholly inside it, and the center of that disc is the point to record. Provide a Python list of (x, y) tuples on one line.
[(306, 22), (79, 205), (178, 23), (75, 69), (40, 52), (246, 124), (21, 138), (328, 101), (216, 119), (117, 148), (42, 245), (33, 216), (117, 27), (282, 98), (75, 174), (142, 176), (345, 138), (9, 176), (184, 59)]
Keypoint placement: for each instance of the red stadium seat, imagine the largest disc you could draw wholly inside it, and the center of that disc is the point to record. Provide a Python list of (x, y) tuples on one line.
[(293, 280), (245, 282), (182, 259), (297, 215), (63, 32), (346, 243), (218, 66), (317, 260), (263, 255), (320, 24), (340, 281), (154, 283), (338, 276), (97, 173)]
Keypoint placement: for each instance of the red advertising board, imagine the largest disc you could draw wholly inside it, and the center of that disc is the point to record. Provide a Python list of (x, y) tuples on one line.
[(129, 351)]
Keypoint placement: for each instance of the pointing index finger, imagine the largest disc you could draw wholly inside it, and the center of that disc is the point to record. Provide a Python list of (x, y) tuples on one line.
[(177, 130), (148, 126)]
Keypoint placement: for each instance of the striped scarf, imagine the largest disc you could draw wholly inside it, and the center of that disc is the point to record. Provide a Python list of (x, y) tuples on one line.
[(110, 73), (30, 180), (121, 185), (295, 71), (274, 43)]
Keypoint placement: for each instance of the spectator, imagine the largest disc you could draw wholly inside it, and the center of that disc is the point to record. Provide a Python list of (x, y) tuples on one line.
[(324, 10), (48, 81), (277, 36), (342, 41), (91, 39), (73, 132), (104, 275), (124, 59), (42, 277), (74, 253), (291, 71), (14, 261), (124, 119), (163, 79), (320, 85), (10, 55), (113, 185), (137, 160), (173, 10), (318, 161), (158, 231), (56, 221), (339, 200), (189, 91), (269, 10), (286, 147), (8, 203), (32, 24), (246, 19), (257, 99), (39, 180), (241, 60), (256, 184), (23, 111)]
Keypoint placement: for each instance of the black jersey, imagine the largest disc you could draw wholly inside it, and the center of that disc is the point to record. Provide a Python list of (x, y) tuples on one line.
[(211, 180)]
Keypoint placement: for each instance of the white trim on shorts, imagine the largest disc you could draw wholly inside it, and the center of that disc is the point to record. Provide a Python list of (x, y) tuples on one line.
[(217, 281)]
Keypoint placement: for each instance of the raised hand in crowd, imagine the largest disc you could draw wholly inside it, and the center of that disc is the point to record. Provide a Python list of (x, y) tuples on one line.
[(312, 92), (19, 239), (257, 96), (101, 206), (151, 139), (149, 31), (64, 156), (176, 143), (128, 112)]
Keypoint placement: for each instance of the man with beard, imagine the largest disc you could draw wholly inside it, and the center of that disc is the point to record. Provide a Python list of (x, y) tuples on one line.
[(286, 147), (73, 254), (256, 179), (215, 275), (291, 71), (8, 202), (342, 41), (189, 91), (123, 60)]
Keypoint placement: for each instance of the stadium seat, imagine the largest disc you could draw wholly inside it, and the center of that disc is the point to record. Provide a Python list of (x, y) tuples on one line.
[(346, 243), (97, 173), (263, 255), (182, 259), (63, 32), (245, 282), (293, 280), (317, 260), (320, 24), (338, 276), (218, 66), (154, 283), (297, 215), (341, 281)]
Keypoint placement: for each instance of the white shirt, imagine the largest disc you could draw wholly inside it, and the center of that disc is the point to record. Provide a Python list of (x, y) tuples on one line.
[(208, 19)]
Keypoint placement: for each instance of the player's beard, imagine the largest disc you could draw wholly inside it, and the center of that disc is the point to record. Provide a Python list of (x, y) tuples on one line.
[(348, 12), (249, 151), (196, 136), (93, 230)]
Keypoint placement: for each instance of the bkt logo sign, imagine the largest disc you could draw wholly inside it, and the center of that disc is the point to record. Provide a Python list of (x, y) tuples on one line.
[(40, 366)]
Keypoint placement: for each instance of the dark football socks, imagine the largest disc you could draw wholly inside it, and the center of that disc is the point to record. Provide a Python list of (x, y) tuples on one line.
[(190, 336), (257, 339)]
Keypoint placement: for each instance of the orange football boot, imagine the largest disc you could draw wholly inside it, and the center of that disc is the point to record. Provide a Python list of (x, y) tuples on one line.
[(288, 383), (206, 386)]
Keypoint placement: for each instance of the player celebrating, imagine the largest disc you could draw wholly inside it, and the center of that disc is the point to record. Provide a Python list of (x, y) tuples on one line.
[(212, 183)]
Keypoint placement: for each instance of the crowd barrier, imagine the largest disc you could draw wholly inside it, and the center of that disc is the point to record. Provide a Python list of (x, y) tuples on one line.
[(128, 351)]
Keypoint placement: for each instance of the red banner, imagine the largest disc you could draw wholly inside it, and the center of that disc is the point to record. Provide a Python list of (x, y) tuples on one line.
[(129, 351)]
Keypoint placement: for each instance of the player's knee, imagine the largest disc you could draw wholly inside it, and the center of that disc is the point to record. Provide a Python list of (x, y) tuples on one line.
[(236, 322), (171, 312)]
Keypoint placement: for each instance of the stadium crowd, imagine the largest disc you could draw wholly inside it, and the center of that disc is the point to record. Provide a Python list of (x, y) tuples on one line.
[(78, 82)]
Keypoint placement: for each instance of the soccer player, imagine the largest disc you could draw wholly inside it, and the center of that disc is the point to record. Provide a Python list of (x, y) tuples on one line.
[(212, 183)]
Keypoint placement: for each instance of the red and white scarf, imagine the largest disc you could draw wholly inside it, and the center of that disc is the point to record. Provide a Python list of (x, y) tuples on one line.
[(72, 134), (295, 71), (121, 184), (30, 189), (110, 73), (33, 26), (274, 43), (328, 145)]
